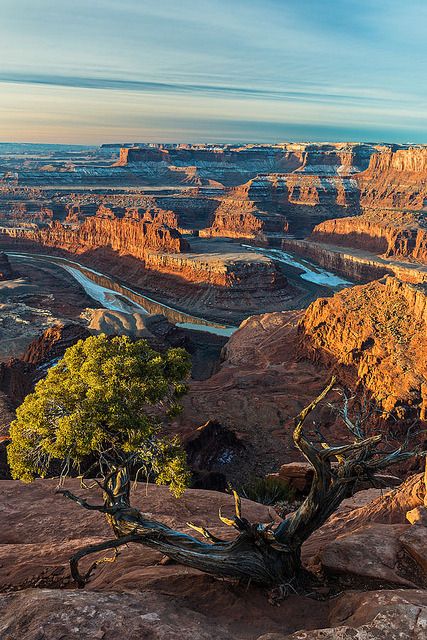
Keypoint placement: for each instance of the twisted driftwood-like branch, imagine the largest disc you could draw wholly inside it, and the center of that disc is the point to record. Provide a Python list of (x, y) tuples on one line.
[(265, 556)]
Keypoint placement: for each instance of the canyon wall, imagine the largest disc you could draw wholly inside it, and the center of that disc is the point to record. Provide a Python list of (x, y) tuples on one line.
[(124, 235), (223, 284), (301, 198), (229, 272), (376, 334), (381, 233), (197, 165), (243, 219), (393, 204), (395, 179), (356, 265)]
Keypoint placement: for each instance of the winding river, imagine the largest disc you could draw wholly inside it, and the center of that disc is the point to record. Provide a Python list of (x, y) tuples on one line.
[(117, 297)]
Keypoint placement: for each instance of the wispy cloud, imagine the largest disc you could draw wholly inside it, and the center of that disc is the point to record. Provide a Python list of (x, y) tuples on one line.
[(115, 84), (355, 66)]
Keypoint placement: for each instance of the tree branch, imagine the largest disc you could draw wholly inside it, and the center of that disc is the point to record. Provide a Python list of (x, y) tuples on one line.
[(81, 501), (94, 548)]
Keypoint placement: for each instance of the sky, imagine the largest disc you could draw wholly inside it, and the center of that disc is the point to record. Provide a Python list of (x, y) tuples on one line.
[(93, 71)]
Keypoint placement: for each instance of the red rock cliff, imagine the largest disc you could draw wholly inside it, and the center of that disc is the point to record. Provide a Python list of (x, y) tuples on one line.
[(377, 335), (124, 235), (383, 233), (395, 180), (243, 219)]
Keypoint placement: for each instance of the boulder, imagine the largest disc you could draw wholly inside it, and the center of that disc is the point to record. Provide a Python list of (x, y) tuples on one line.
[(363, 509), (417, 516), (372, 552), (299, 476), (414, 540)]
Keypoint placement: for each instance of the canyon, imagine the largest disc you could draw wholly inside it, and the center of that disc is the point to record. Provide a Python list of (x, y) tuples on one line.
[(234, 240)]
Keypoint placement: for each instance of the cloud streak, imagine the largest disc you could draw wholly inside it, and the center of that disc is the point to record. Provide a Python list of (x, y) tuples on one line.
[(350, 66), (115, 84)]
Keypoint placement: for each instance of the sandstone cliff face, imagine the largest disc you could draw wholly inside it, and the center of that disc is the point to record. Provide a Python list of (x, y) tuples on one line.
[(124, 235), (378, 234), (231, 273), (377, 336), (395, 179), (243, 219), (224, 284), (301, 198), (357, 268), (299, 188)]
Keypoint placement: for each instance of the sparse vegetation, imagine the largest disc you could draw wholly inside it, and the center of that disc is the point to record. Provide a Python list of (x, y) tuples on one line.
[(87, 404), (269, 491)]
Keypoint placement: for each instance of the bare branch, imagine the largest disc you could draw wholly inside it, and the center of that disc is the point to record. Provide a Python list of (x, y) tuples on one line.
[(94, 548), (81, 501)]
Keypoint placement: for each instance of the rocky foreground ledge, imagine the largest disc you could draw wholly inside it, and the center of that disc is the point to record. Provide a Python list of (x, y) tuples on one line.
[(379, 594)]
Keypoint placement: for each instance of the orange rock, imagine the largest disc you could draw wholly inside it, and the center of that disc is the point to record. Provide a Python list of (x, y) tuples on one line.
[(377, 336)]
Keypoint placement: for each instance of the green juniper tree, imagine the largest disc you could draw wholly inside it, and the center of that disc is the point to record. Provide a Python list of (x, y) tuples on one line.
[(106, 399)]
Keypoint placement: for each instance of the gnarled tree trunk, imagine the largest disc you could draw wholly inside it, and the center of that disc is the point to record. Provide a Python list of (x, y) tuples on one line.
[(266, 557)]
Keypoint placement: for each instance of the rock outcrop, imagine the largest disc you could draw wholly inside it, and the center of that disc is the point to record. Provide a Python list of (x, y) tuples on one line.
[(124, 235), (262, 384), (6, 271), (139, 594), (379, 615), (356, 265), (382, 232), (395, 179), (243, 219), (90, 615), (302, 199), (376, 335), (19, 375)]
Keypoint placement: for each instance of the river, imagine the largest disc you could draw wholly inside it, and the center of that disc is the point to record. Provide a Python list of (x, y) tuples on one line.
[(309, 271), (117, 297)]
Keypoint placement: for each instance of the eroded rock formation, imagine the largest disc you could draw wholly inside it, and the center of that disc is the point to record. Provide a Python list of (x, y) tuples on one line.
[(124, 235), (382, 232), (6, 271), (395, 179), (377, 335), (19, 375)]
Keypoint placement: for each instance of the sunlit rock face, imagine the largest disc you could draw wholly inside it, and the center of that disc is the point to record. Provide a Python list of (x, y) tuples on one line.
[(395, 179), (126, 235), (376, 334)]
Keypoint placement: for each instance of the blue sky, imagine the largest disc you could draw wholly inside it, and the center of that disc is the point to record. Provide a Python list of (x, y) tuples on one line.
[(92, 71)]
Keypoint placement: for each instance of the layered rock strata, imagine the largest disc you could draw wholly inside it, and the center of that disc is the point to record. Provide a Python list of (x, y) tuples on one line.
[(243, 219), (382, 232), (219, 281), (395, 179), (124, 235), (355, 264)]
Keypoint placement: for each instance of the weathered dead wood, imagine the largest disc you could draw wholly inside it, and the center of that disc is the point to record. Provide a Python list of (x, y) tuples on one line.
[(260, 554)]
